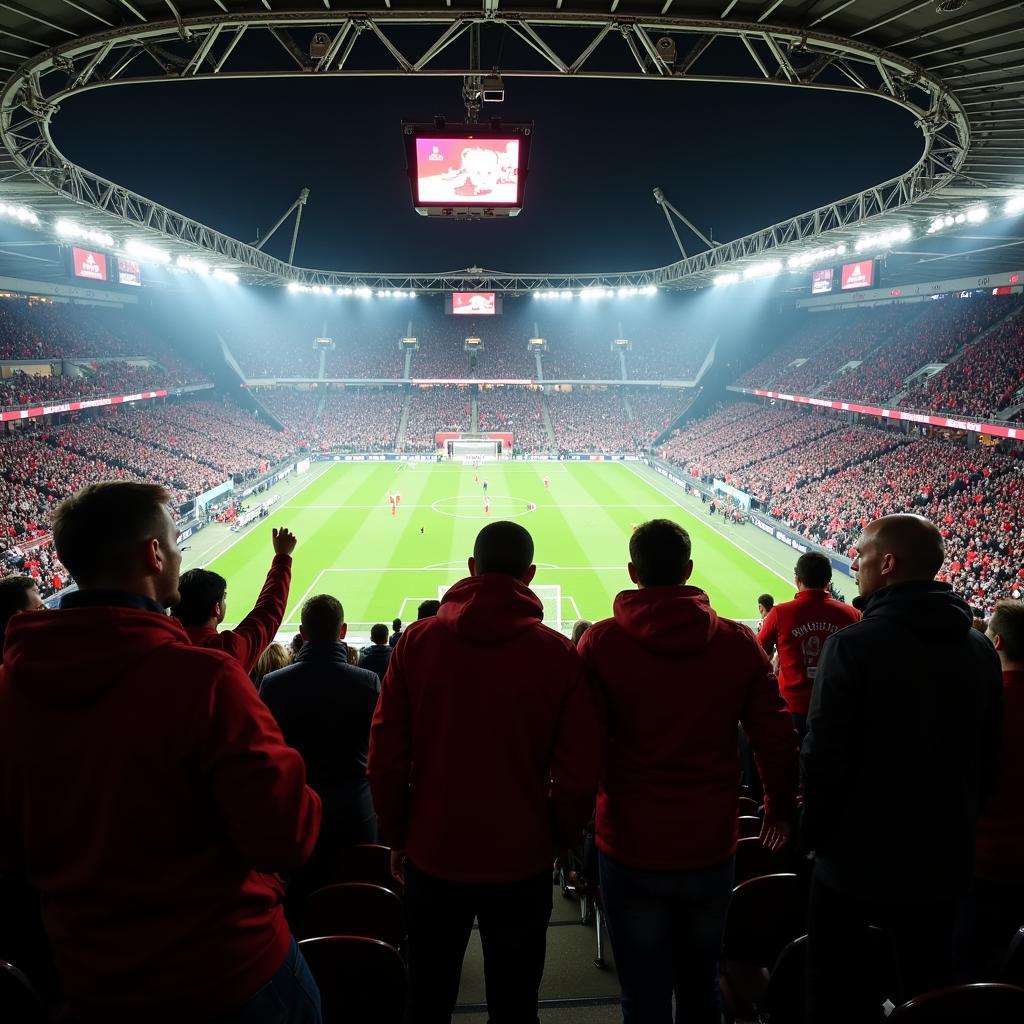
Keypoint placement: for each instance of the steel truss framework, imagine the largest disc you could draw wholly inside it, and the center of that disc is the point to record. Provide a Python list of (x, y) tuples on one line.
[(196, 48)]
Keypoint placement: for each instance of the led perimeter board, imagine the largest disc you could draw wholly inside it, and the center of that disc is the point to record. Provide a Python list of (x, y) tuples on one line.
[(467, 171)]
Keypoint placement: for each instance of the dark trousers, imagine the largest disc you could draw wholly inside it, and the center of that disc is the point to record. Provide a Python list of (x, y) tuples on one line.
[(987, 920), (290, 997), (513, 919), (800, 724), (841, 986), (666, 931)]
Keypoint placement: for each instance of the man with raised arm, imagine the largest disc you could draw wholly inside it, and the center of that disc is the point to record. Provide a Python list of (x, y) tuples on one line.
[(204, 603), (145, 790)]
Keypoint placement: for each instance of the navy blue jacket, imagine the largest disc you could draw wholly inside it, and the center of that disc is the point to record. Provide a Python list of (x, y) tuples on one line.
[(376, 658)]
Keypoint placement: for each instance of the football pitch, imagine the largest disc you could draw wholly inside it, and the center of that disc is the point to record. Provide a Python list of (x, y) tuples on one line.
[(381, 566)]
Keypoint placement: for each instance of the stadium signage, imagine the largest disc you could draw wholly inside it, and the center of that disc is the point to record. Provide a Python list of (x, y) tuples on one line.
[(950, 423), (33, 412)]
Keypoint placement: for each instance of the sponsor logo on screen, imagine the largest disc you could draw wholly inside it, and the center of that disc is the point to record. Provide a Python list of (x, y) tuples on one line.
[(858, 275), (821, 281), (90, 265), (473, 303), (129, 271)]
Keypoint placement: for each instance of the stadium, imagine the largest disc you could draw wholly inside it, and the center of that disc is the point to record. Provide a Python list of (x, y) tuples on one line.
[(181, 180)]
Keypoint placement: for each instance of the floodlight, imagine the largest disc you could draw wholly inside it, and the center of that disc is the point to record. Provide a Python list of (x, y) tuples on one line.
[(651, 289), (1014, 205), (293, 286), (146, 253), (412, 295), (565, 295), (492, 89), (364, 292), (758, 270), (725, 279), (227, 276), (977, 214), (22, 213), (196, 266)]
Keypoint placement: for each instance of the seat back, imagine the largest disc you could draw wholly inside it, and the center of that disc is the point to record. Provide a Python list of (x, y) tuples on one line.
[(783, 1001), (754, 859), (368, 863), (748, 807), (354, 908), (750, 826), (764, 915), (362, 981), (979, 1004), (1012, 971), (18, 999)]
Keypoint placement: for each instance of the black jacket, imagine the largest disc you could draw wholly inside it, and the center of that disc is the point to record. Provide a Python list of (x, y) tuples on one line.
[(903, 744), (395, 637), (375, 658), (324, 707)]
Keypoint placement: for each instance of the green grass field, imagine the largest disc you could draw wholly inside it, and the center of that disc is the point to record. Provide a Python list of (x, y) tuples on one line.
[(380, 567)]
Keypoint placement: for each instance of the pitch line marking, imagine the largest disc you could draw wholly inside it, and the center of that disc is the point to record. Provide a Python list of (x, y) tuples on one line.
[(456, 568), (469, 497), (298, 604), (725, 536)]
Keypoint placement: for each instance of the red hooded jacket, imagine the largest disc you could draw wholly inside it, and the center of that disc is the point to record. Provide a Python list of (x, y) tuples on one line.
[(999, 837), (799, 629), (149, 797), (671, 680), (254, 634), (484, 745)]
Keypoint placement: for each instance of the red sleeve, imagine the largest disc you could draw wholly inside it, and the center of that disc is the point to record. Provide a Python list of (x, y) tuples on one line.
[(390, 759), (258, 781), (253, 635), (575, 759), (769, 728), (768, 636)]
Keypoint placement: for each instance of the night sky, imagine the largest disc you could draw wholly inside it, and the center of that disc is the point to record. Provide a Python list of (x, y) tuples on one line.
[(234, 154)]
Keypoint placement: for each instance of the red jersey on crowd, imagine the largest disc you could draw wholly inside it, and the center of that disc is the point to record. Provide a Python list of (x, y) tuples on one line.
[(999, 836), (254, 634), (799, 629), (147, 794)]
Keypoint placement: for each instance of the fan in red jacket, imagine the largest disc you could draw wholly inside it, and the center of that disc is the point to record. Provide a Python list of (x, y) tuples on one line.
[(204, 603), (483, 758), (799, 629), (671, 680), (994, 908), (145, 791)]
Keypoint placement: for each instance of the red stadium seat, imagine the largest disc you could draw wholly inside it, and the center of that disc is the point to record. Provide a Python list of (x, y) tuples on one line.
[(19, 1002), (750, 826), (368, 863), (362, 981), (354, 908), (754, 860), (748, 807)]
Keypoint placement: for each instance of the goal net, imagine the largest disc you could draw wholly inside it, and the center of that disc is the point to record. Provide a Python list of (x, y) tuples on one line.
[(550, 595), (475, 450)]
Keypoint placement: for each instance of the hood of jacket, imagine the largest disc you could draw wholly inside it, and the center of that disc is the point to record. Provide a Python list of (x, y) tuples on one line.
[(927, 607), (490, 609), (73, 656), (667, 620), (334, 651)]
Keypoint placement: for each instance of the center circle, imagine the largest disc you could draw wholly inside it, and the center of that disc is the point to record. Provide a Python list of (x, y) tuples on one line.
[(468, 506)]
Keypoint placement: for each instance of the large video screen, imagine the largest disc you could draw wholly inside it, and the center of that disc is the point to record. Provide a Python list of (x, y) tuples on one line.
[(821, 281), (464, 171), (89, 264), (474, 303), (858, 275), (129, 272)]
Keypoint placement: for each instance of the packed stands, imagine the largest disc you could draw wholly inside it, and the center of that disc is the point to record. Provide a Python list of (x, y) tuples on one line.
[(436, 408), (338, 418), (815, 332), (581, 353), (664, 354), (589, 420), (516, 409), (654, 409), (107, 378), (988, 377)]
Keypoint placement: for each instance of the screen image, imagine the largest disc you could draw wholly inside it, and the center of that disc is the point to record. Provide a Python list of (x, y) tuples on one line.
[(128, 271), (90, 265), (821, 281), (474, 303), (858, 275), (467, 171)]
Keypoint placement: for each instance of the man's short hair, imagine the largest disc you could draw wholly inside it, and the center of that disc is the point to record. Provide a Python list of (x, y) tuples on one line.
[(379, 633), (660, 552), (200, 590), (396, 624), (428, 609), (766, 601), (505, 548), (814, 570), (322, 618), (1007, 622), (95, 530), (13, 599)]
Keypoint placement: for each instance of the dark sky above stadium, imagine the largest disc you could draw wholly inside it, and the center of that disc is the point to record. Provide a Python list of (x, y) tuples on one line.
[(234, 154)]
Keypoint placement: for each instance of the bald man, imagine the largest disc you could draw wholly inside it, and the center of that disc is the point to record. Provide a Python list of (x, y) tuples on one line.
[(903, 739)]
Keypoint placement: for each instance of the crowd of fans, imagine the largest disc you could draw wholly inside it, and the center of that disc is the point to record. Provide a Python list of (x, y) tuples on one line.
[(656, 409), (657, 354), (586, 419), (518, 410), (988, 377), (804, 342), (436, 408)]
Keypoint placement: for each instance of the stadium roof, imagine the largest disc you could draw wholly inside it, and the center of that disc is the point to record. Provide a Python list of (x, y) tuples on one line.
[(958, 65)]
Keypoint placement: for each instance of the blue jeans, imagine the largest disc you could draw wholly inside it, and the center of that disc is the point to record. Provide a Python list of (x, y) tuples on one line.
[(290, 997), (666, 931)]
